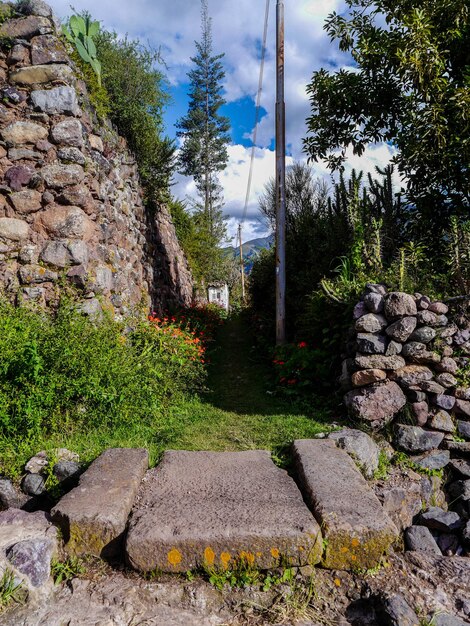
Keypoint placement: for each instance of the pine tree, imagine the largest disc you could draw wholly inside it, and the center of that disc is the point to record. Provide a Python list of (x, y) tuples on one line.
[(204, 151)]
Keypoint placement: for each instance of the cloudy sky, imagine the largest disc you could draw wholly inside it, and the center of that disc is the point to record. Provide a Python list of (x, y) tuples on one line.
[(237, 25)]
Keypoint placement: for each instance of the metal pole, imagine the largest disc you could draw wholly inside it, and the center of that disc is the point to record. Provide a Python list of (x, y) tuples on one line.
[(280, 181), (242, 269)]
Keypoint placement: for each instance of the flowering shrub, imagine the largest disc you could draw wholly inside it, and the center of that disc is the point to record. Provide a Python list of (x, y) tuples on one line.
[(299, 367)]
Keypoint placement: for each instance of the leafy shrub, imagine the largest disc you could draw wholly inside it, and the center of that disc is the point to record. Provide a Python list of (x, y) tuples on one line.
[(64, 373)]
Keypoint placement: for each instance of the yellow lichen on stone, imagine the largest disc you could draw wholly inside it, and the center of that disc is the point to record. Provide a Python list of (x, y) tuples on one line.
[(209, 556), (174, 557), (275, 553)]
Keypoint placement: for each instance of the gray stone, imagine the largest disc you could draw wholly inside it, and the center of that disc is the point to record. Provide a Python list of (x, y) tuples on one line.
[(13, 229), (37, 463), (444, 402), (19, 133), (359, 310), (79, 277), (93, 516), (427, 318), (368, 343), (35, 7), (460, 490), (431, 387), (466, 534), (58, 100), (376, 404), (447, 365), (445, 619), (327, 477), (463, 393), (43, 74), (36, 274), (25, 27), (398, 612), (68, 133), (398, 304), (19, 54), (374, 302), (33, 484), (415, 439), (91, 308), (47, 49), (102, 281), (419, 538), (461, 467), (26, 201), (439, 308), (420, 412), (447, 381), (425, 334), (371, 323), (367, 377), (8, 495), (20, 154), (438, 519), (58, 176), (66, 222), (423, 302), (457, 448), (402, 329), (55, 253), (393, 348), (462, 407), (216, 507), (33, 559), (449, 331), (415, 395), (418, 353), (72, 155), (411, 375), (78, 251), (64, 470), (463, 429), (378, 361), (448, 543), (442, 421), (435, 460), (360, 446), (375, 288)]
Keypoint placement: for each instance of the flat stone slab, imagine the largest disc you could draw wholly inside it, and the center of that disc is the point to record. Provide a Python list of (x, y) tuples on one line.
[(212, 508), (356, 529), (93, 516)]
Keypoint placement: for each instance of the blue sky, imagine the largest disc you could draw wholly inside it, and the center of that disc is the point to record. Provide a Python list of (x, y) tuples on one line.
[(173, 26)]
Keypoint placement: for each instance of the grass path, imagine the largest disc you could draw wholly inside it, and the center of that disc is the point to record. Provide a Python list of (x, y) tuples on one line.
[(236, 413)]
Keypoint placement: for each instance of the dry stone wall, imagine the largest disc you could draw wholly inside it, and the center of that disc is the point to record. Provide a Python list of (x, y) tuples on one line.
[(71, 205), (407, 350)]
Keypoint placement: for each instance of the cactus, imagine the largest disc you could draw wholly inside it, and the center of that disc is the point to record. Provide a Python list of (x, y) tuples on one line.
[(80, 31)]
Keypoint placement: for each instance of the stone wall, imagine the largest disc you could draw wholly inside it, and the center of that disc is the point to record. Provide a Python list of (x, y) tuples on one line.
[(71, 205), (407, 350)]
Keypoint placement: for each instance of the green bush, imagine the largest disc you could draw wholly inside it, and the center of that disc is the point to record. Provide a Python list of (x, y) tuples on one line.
[(64, 373)]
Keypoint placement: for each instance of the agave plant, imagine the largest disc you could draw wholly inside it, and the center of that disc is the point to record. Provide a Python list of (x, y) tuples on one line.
[(80, 31)]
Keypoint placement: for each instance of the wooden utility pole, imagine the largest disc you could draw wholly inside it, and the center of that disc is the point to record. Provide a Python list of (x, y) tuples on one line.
[(242, 267), (280, 180)]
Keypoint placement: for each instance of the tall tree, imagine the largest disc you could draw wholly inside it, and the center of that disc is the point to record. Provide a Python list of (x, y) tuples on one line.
[(410, 87), (204, 131)]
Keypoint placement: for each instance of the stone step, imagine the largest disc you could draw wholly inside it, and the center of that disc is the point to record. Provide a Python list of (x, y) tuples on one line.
[(212, 508), (356, 529), (93, 516)]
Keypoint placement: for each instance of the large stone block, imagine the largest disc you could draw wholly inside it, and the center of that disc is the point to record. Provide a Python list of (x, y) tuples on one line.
[(376, 404), (93, 516), (25, 27), (42, 74), (13, 229), (356, 530), (47, 49), (20, 133), (56, 100), (58, 176), (66, 222), (215, 507)]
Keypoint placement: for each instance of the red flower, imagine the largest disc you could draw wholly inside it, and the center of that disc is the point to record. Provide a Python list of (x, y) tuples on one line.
[(302, 344), (291, 381)]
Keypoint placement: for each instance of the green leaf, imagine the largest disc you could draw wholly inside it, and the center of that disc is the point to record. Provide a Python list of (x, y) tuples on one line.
[(90, 46), (93, 29), (83, 52), (67, 33), (77, 25)]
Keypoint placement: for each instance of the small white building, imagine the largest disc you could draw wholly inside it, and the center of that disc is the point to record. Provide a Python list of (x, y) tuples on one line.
[(217, 293)]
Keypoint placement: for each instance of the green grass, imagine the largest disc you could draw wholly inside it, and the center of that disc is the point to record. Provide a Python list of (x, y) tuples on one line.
[(238, 411)]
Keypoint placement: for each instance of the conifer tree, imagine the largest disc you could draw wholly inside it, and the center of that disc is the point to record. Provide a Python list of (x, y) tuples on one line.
[(204, 151)]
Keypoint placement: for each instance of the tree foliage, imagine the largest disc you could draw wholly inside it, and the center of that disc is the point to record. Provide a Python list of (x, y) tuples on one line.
[(137, 96), (204, 131), (411, 87)]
